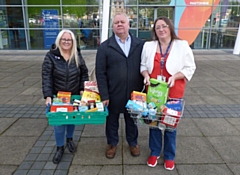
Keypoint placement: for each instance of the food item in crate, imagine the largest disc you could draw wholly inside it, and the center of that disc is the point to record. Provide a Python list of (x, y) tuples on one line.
[(153, 124), (76, 102), (100, 106), (131, 105), (146, 119), (157, 93), (90, 91), (169, 120), (152, 111), (171, 117), (65, 97), (61, 108), (82, 108), (172, 112), (92, 110), (139, 98), (175, 104), (91, 104)]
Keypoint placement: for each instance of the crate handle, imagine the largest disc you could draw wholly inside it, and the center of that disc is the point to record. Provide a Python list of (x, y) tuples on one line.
[(48, 108), (106, 108)]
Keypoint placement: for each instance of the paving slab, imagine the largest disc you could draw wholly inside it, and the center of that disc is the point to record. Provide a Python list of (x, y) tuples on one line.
[(187, 127), (91, 151), (227, 147), (197, 150), (14, 149), (216, 127), (27, 127), (5, 123), (211, 169), (234, 167), (145, 170), (7, 169), (89, 170)]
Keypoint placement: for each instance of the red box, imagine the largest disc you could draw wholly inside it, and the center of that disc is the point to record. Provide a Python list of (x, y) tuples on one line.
[(169, 120), (61, 108), (172, 112), (171, 117)]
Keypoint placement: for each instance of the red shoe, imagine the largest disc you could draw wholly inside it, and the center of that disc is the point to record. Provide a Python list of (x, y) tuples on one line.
[(169, 164), (152, 161)]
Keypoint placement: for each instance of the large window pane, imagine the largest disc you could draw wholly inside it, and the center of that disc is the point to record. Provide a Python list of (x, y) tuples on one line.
[(153, 2), (12, 39), (11, 17), (80, 2), (36, 39), (43, 2), (35, 18), (89, 16), (10, 2)]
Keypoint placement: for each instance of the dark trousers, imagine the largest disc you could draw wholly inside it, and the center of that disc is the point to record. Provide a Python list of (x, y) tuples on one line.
[(112, 126)]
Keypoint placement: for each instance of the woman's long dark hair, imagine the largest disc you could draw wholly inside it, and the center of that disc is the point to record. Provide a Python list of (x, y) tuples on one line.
[(170, 26)]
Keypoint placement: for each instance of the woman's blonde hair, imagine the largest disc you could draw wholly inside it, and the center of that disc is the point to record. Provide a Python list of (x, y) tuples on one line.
[(74, 53)]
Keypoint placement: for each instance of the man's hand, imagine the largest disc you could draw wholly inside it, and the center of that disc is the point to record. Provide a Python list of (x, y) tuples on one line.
[(105, 102)]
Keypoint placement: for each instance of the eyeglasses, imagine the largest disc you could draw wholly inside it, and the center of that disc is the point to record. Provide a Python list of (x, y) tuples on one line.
[(161, 27), (66, 40)]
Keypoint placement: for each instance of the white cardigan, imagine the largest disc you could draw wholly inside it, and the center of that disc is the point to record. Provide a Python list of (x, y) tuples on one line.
[(180, 58)]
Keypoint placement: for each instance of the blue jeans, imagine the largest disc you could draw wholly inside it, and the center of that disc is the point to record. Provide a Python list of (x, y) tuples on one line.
[(59, 133), (155, 143)]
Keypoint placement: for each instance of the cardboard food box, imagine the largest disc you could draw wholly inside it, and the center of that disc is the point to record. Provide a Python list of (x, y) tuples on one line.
[(139, 98), (61, 108), (169, 120), (171, 117), (65, 97), (90, 91)]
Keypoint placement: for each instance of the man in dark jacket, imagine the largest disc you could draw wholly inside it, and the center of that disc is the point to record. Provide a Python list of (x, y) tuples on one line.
[(118, 74)]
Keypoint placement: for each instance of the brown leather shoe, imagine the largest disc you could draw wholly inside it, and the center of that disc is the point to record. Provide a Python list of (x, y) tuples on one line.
[(111, 151), (135, 151)]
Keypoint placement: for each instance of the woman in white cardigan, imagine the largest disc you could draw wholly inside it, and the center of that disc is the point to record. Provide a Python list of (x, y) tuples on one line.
[(169, 59)]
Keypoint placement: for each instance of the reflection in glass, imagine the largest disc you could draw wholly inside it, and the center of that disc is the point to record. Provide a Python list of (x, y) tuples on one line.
[(36, 39), (12, 2), (35, 18), (75, 17), (158, 2), (12, 17), (80, 2), (43, 2), (13, 39)]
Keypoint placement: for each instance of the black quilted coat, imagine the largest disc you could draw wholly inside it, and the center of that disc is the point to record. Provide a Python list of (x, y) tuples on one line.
[(59, 75)]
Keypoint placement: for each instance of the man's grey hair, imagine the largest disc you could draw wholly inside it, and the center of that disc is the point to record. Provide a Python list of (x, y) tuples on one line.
[(120, 13)]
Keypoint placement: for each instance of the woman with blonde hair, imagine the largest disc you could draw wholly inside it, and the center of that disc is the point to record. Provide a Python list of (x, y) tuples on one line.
[(63, 69)]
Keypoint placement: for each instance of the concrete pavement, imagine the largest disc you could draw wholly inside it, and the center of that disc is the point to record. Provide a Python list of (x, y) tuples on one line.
[(208, 134)]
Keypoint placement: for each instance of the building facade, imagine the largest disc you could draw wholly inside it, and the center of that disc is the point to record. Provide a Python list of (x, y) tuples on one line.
[(34, 24)]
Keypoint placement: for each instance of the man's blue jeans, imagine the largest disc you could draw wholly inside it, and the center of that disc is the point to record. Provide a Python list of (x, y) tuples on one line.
[(155, 143), (59, 132)]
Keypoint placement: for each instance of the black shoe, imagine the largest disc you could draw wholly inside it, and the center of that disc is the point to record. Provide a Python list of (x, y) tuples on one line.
[(58, 155), (71, 146)]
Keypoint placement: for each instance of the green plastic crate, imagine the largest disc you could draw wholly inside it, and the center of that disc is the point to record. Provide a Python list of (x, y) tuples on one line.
[(76, 118)]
